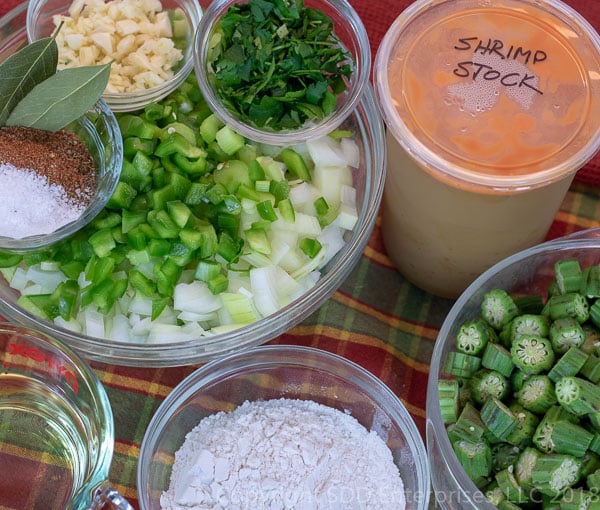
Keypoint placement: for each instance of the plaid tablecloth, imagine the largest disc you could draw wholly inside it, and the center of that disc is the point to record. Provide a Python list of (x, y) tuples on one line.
[(376, 318)]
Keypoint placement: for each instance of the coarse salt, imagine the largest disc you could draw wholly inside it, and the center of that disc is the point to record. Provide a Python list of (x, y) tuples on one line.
[(30, 205)]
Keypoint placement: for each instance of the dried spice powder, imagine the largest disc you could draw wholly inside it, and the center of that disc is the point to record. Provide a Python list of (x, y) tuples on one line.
[(47, 179)]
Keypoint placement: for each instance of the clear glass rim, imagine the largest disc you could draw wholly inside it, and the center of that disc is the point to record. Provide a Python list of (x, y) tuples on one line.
[(438, 165), (284, 355), (361, 71)]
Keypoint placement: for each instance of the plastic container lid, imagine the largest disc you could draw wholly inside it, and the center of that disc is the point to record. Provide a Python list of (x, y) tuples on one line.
[(502, 94)]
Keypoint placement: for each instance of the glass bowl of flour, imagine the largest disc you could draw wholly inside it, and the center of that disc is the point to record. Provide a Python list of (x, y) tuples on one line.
[(282, 427)]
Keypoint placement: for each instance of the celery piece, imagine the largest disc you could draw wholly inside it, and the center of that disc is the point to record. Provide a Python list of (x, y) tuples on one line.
[(209, 127), (258, 241), (228, 140), (206, 270), (218, 284), (295, 163), (231, 174)]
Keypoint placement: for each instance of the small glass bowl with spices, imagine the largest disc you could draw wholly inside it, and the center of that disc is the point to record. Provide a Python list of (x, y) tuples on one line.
[(282, 72), (147, 42), (279, 424), (52, 184)]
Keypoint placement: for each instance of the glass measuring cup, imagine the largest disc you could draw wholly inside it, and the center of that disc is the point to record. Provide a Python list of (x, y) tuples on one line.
[(56, 427)]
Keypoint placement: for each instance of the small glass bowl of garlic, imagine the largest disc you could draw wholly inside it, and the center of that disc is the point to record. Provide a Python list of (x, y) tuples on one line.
[(149, 42)]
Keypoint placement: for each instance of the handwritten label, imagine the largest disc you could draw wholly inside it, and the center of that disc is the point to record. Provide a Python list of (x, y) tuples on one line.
[(40, 357), (487, 69)]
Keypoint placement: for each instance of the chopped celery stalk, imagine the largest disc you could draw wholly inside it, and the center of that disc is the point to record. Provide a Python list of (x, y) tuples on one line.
[(295, 163), (229, 141)]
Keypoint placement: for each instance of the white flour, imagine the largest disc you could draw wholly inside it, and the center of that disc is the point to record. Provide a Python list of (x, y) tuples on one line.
[(29, 205), (283, 454)]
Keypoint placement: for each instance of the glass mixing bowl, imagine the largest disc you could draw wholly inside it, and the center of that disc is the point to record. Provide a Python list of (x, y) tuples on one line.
[(273, 372), (368, 181), (529, 271)]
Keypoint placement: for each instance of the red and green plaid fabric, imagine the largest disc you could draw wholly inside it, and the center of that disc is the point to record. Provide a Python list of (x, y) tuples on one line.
[(376, 318)]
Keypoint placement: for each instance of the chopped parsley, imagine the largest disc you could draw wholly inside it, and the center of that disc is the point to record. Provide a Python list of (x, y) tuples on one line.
[(277, 63)]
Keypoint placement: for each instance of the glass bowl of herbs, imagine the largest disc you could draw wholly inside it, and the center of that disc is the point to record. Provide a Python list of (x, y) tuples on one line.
[(147, 42), (514, 381), (282, 72), (60, 146)]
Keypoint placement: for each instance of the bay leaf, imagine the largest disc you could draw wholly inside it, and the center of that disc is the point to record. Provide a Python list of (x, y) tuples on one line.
[(23, 70), (60, 99)]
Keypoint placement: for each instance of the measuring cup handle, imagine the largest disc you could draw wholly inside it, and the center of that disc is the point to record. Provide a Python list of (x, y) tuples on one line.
[(107, 498)]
